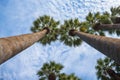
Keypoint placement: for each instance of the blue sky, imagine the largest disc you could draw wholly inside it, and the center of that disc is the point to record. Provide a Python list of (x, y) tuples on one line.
[(16, 17)]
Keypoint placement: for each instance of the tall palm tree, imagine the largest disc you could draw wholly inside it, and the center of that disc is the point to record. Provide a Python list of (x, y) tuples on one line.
[(10, 46), (77, 25), (113, 18), (107, 69), (64, 36), (46, 21), (94, 18), (108, 46), (52, 71)]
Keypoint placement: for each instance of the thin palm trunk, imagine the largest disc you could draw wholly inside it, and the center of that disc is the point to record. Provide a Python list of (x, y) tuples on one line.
[(108, 46), (107, 26), (11, 46)]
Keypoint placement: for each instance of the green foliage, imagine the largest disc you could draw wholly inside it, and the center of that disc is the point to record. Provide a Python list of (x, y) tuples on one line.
[(72, 76), (104, 18), (49, 68), (64, 29), (93, 18), (54, 68), (115, 11), (90, 18), (102, 65), (85, 26), (46, 21)]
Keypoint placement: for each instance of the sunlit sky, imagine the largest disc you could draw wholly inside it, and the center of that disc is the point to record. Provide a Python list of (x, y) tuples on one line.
[(16, 17)]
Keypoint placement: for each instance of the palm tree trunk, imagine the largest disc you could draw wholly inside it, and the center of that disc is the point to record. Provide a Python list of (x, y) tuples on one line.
[(11, 46), (99, 26), (52, 76), (108, 46)]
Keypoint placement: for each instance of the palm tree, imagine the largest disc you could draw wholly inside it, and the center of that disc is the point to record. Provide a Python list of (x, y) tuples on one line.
[(46, 21), (108, 46), (113, 18), (64, 36), (51, 71), (11, 46), (75, 24), (115, 14), (94, 18), (107, 69)]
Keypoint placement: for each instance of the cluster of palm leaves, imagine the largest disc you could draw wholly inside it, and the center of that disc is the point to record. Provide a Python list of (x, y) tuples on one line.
[(64, 36), (115, 11), (103, 65), (115, 17), (104, 18), (51, 71), (46, 21), (93, 18), (72, 76), (49, 68)]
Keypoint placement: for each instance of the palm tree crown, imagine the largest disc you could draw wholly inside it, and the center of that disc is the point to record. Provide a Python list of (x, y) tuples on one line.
[(64, 36), (46, 21), (110, 21), (94, 18), (52, 71)]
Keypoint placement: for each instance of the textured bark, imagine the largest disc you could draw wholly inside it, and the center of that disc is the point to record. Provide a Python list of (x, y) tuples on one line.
[(52, 76), (11, 46), (108, 46), (99, 26)]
